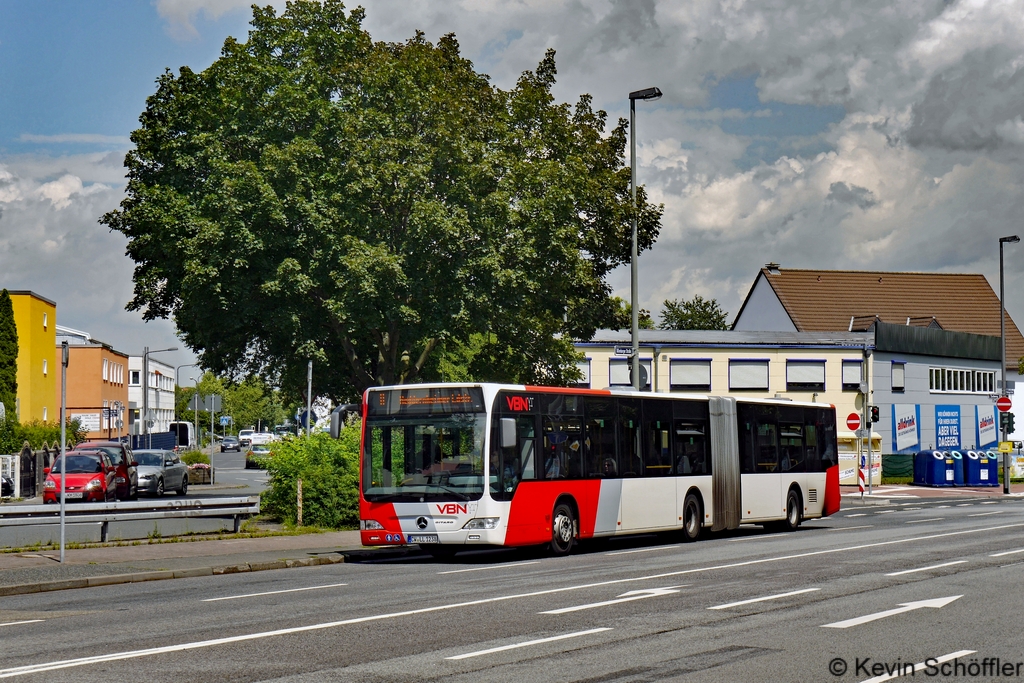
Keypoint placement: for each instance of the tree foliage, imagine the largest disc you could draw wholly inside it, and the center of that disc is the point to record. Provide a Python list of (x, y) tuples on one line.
[(696, 314), (316, 194), (250, 402), (8, 356)]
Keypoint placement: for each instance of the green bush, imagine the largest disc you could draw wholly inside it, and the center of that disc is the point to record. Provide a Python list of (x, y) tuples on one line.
[(13, 435), (195, 457), (329, 470)]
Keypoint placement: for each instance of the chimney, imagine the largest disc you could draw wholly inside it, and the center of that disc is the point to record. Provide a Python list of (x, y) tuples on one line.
[(773, 268)]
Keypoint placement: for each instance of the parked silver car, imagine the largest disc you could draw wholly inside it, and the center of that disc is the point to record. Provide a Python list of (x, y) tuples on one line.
[(161, 471)]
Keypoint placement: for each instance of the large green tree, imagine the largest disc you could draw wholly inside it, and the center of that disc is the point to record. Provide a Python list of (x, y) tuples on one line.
[(316, 194), (696, 314), (8, 356)]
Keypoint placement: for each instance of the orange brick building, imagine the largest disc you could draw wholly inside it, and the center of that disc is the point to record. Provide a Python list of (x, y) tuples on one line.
[(97, 384)]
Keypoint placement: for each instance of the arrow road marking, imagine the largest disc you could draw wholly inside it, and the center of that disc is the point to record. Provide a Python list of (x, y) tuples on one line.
[(924, 569), (919, 666), (628, 596), (768, 597), (935, 603)]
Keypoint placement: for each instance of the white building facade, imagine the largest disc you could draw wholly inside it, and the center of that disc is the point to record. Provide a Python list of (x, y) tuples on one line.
[(161, 395)]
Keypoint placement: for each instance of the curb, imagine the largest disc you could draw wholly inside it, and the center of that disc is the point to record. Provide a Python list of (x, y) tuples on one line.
[(138, 577)]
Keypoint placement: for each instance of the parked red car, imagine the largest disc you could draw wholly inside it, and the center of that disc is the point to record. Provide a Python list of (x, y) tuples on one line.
[(127, 478), (90, 478)]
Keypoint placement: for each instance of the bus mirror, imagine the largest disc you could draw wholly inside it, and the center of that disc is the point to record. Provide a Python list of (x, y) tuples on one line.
[(336, 423), (508, 432)]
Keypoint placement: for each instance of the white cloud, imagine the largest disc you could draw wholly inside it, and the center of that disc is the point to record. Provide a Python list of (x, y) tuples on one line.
[(80, 138), (180, 14)]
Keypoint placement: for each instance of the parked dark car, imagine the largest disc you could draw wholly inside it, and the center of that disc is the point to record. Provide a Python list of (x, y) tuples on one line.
[(6, 486), (90, 477), (127, 477), (230, 443), (161, 471)]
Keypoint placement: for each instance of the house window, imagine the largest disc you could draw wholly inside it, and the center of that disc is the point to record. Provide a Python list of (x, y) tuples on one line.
[(584, 368), (618, 373), (46, 367), (134, 377), (689, 375), (44, 327), (805, 375), (851, 375), (899, 376), (748, 374), (957, 380), (44, 407), (106, 370)]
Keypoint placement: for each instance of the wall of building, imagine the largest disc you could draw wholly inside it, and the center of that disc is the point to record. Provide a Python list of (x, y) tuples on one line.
[(945, 420), (36, 320), (97, 380), (763, 310), (161, 394)]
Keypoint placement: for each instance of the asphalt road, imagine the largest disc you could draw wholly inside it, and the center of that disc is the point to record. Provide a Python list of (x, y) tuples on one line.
[(745, 606)]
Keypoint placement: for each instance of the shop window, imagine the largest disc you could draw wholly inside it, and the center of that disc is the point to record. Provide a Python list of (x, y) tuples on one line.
[(690, 375), (899, 376), (748, 374), (803, 375)]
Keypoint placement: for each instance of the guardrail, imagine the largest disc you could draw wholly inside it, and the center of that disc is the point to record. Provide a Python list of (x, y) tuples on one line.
[(128, 511)]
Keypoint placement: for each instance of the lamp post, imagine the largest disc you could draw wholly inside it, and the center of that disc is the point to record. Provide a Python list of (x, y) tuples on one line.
[(647, 95), (195, 398), (1012, 239), (63, 439), (145, 384)]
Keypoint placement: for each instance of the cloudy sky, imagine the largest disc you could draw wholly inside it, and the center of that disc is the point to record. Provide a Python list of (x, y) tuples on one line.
[(874, 135)]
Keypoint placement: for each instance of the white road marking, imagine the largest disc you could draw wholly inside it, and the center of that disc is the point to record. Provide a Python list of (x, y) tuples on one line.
[(643, 550), (754, 538), (924, 569), (290, 590), (497, 566), (1008, 552), (986, 514), (847, 528), (884, 512), (990, 502), (132, 654), (964, 505), (539, 641), (628, 596), (27, 621), (921, 521), (919, 666), (935, 603), (767, 597), (940, 507), (859, 514)]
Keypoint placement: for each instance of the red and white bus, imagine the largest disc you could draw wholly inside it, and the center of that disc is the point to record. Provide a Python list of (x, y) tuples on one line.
[(450, 466)]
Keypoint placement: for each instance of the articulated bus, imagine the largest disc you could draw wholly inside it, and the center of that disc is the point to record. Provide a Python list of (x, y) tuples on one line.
[(450, 467)]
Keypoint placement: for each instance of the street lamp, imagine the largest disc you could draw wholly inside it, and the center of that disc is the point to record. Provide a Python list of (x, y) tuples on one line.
[(1012, 239), (647, 95), (145, 384)]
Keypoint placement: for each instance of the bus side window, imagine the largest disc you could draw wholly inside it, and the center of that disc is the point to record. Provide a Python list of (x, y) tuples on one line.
[(599, 459), (527, 448), (767, 447), (657, 437), (690, 448), (747, 437), (630, 455)]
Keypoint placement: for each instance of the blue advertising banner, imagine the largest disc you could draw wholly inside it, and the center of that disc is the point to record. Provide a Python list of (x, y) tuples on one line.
[(947, 428), (985, 429)]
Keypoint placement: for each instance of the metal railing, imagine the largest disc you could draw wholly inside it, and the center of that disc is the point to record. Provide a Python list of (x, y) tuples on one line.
[(130, 511)]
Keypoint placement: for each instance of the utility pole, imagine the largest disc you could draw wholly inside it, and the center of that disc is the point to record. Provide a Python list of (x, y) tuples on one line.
[(309, 398)]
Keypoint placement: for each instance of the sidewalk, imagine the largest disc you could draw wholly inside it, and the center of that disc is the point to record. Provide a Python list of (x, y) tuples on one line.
[(887, 493), (33, 572)]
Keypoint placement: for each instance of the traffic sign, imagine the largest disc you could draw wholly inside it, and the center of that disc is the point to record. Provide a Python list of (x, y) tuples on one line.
[(1006, 447), (853, 422), (1004, 404), (624, 351), (862, 433)]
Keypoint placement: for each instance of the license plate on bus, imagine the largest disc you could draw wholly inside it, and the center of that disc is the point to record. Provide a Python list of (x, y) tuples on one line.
[(73, 495), (423, 538)]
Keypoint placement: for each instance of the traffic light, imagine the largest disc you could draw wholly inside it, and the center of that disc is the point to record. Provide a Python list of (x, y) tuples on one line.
[(1007, 422), (873, 417)]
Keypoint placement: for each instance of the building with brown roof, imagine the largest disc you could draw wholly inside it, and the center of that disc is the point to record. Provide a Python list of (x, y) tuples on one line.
[(97, 389), (797, 300)]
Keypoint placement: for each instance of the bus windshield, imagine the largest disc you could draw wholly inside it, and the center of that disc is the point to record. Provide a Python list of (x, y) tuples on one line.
[(424, 458)]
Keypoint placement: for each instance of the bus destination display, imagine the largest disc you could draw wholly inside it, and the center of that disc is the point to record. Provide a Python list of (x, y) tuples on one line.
[(425, 401)]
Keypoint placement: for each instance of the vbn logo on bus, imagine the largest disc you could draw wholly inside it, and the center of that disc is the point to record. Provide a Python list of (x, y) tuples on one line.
[(451, 509)]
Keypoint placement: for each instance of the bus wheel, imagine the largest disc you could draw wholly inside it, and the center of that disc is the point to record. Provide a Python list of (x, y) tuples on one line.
[(563, 530), (692, 518), (793, 516)]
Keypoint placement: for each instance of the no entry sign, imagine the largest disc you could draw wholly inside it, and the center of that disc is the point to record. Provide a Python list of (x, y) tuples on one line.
[(853, 422), (1004, 404)]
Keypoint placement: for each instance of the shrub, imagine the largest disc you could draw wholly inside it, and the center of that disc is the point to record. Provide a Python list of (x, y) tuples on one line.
[(195, 457), (329, 470)]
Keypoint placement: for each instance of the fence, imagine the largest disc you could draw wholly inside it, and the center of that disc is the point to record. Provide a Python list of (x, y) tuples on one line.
[(165, 441), (26, 470)]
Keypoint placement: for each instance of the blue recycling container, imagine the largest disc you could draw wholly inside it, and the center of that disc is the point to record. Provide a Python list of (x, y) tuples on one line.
[(933, 468), (995, 463), (958, 467), (980, 469)]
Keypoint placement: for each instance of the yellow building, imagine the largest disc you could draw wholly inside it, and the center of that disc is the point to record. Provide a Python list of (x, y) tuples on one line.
[(36, 319)]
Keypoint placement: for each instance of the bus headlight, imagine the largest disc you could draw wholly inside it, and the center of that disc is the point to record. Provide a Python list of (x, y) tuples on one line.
[(482, 523), (372, 525)]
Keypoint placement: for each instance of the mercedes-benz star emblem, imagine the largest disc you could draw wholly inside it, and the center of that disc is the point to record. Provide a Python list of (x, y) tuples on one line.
[(422, 522)]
